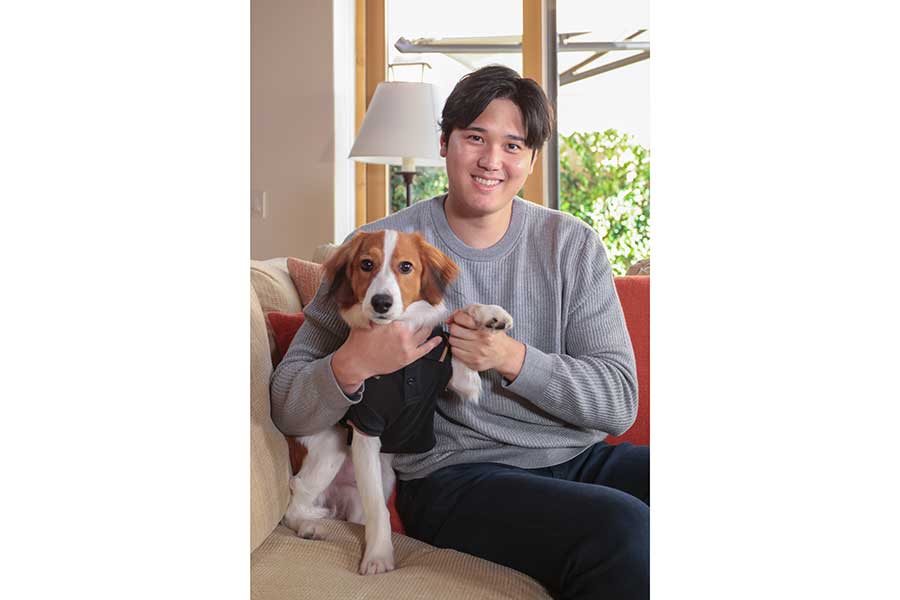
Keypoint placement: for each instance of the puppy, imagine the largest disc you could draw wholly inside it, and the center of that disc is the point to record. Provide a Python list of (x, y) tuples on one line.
[(375, 279)]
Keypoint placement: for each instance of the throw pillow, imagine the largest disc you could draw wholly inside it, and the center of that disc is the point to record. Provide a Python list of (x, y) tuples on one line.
[(284, 327), (306, 277)]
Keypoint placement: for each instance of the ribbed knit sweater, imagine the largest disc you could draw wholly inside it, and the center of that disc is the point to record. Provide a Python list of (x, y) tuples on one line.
[(577, 384)]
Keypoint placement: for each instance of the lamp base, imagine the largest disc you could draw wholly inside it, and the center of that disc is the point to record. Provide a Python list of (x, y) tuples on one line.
[(408, 180)]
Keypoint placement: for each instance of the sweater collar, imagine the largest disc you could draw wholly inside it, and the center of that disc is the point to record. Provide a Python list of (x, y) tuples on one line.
[(497, 251)]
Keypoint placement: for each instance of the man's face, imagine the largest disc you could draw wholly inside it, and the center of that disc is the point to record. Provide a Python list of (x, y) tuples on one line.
[(488, 162)]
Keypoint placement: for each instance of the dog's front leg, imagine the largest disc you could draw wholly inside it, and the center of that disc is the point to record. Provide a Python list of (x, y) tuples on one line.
[(379, 553), (465, 381)]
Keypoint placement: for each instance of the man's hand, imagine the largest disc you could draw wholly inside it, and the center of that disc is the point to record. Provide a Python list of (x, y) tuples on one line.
[(482, 349), (379, 350)]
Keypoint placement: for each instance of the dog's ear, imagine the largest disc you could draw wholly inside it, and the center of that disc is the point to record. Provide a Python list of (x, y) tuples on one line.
[(438, 272), (337, 271)]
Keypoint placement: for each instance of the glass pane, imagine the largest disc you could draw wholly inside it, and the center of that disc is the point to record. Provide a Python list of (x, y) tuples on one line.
[(604, 126)]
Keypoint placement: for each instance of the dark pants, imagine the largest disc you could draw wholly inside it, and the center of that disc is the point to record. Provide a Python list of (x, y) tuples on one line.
[(581, 528)]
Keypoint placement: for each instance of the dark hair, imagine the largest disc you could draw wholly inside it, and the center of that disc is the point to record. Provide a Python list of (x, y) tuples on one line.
[(476, 90)]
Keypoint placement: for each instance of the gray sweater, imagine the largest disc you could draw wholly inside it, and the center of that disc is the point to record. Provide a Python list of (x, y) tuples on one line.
[(577, 384)]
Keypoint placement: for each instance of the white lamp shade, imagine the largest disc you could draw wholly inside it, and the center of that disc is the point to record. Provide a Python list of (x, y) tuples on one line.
[(401, 123)]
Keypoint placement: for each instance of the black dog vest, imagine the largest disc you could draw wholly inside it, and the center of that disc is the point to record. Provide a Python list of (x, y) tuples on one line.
[(399, 407)]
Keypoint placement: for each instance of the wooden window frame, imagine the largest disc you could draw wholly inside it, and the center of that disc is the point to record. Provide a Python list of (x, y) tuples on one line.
[(372, 198), (538, 62)]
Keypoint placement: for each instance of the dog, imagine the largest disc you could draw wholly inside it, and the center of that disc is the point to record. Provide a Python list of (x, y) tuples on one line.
[(377, 278)]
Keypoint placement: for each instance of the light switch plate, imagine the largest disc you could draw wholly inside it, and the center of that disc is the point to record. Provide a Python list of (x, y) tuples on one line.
[(258, 205)]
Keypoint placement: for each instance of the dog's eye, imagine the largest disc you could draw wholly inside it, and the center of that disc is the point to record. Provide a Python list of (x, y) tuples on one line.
[(367, 265), (406, 267)]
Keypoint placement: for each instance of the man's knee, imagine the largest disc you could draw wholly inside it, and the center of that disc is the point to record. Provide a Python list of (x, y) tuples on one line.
[(614, 556)]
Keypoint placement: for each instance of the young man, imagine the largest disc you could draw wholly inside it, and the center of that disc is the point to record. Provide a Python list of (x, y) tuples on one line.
[(523, 477)]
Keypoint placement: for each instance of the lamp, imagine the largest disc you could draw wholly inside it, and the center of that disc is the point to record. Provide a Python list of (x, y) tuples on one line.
[(400, 128)]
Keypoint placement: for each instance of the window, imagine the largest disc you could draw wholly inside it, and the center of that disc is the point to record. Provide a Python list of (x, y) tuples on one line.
[(602, 98), (604, 125)]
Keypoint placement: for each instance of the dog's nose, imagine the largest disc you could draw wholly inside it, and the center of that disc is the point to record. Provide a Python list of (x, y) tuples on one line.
[(381, 303)]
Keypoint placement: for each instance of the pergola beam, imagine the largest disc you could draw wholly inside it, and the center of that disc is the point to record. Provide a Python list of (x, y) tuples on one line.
[(416, 46), (565, 79), (589, 60)]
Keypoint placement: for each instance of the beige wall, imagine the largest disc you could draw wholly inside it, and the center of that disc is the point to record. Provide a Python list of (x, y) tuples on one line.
[(292, 125)]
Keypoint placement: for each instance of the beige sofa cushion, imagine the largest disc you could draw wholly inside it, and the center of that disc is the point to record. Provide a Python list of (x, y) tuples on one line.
[(270, 467), (275, 291), (324, 252), (273, 285), (288, 567)]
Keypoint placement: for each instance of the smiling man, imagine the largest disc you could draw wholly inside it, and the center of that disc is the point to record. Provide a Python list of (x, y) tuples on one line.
[(523, 476), (487, 163)]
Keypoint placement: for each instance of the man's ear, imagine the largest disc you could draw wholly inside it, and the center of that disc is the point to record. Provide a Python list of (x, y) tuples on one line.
[(534, 155), (337, 271), (443, 146), (438, 272)]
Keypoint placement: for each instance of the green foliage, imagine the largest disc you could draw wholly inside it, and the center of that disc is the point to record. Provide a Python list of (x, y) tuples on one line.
[(604, 180), (429, 182)]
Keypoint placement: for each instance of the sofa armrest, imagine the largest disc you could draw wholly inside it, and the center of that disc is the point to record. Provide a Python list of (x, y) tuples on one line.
[(269, 462)]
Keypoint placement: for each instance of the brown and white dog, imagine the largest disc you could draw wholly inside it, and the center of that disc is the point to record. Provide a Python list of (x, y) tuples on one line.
[(377, 278)]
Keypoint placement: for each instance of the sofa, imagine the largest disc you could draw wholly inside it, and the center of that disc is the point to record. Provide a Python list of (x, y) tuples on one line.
[(283, 565)]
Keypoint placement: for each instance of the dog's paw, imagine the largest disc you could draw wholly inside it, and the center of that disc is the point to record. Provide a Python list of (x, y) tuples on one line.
[(304, 519), (490, 316), (377, 562), (305, 523), (308, 529)]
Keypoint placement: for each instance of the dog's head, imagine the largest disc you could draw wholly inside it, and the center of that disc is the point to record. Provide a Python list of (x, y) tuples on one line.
[(381, 273)]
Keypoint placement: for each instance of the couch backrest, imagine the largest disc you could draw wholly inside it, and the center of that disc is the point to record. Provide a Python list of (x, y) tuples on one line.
[(271, 289), (634, 294)]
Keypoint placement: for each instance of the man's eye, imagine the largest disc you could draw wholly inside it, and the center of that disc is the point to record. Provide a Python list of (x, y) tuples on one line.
[(367, 265), (513, 147), (406, 267), (475, 138)]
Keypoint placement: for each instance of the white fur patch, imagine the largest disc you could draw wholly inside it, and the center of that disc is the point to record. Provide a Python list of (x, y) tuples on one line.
[(385, 283)]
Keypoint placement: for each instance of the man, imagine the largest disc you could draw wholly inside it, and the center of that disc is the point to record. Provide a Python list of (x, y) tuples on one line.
[(522, 477)]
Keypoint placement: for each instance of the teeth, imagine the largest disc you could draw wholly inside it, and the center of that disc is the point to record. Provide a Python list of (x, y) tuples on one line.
[(488, 182)]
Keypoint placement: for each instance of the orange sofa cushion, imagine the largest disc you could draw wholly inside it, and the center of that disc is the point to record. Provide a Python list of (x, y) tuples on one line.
[(634, 294)]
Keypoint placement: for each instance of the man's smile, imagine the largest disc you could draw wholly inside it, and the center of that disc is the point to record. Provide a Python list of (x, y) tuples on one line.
[(489, 183)]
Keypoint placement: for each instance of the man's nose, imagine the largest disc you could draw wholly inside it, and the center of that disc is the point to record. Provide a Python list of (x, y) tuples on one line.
[(490, 159)]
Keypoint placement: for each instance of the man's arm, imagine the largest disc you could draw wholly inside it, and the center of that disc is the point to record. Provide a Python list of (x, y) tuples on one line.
[(306, 395), (594, 384)]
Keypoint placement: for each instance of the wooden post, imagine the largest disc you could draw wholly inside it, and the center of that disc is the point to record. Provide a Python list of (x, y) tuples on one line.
[(534, 66), (360, 107), (376, 72)]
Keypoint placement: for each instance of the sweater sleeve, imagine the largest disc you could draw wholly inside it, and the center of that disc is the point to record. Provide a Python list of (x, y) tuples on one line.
[(593, 384), (306, 397)]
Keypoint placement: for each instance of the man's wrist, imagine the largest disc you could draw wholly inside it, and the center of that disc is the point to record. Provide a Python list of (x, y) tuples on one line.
[(346, 372), (515, 358)]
